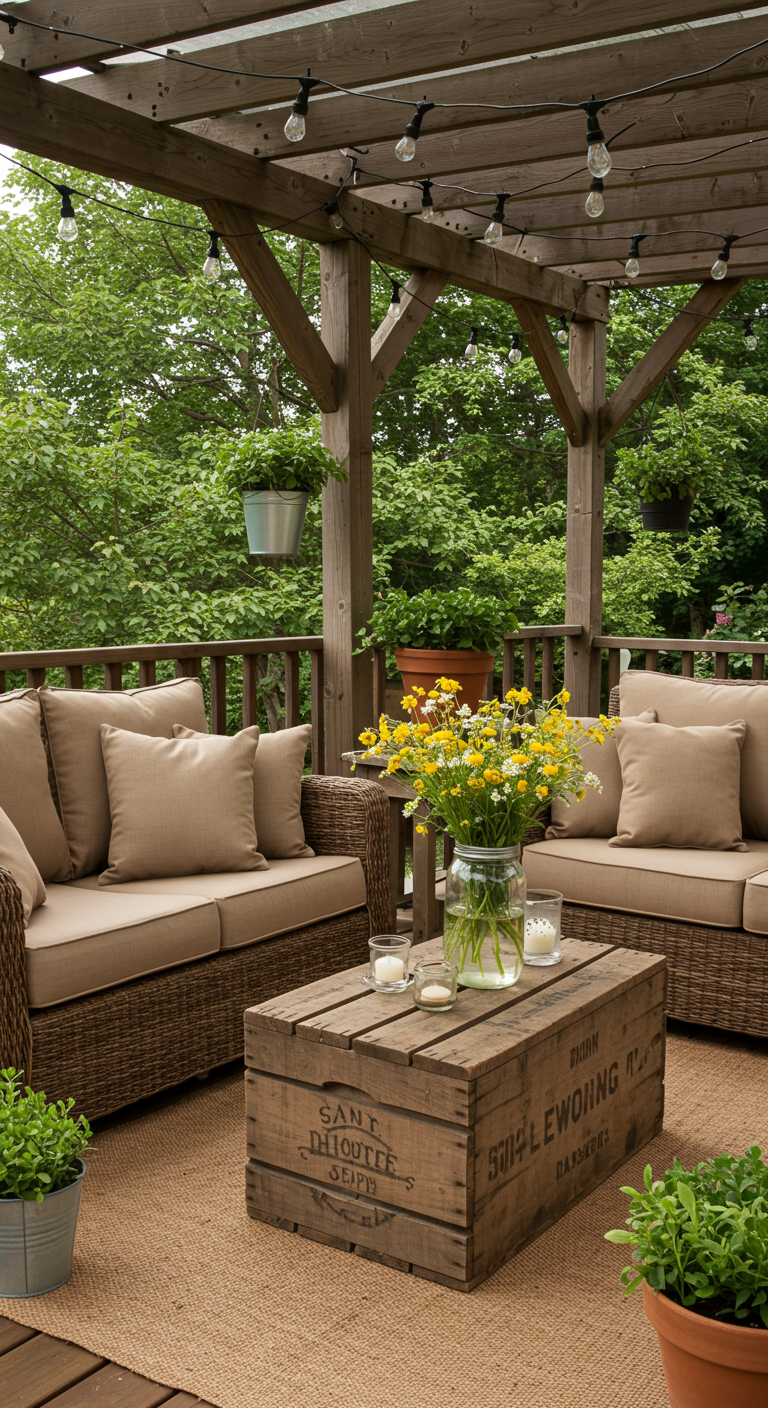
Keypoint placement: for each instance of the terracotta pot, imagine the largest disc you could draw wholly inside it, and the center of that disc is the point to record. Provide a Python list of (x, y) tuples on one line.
[(707, 1363), (470, 667)]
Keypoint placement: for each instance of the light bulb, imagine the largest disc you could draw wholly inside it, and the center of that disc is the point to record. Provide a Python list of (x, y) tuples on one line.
[(212, 267), (395, 308), (494, 233), (595, 205), (562, 335), (336, 220), (719, 269), (406, 148), (632, 268), (515, 356), (2, 52), (428, 214), (598, 159), (296, 127), (470, 351), (67, 230), (751, 341)]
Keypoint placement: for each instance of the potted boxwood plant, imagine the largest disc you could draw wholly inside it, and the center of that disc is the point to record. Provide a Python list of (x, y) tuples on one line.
[(669, 472), (41, 1174), (700, 1242), (277, 471), (433, 634)]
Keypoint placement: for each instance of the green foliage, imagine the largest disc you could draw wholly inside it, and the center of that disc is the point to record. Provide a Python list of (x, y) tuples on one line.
[(293, 458), (40, 1143), (459, 620), (702, 1236), (744, 611)]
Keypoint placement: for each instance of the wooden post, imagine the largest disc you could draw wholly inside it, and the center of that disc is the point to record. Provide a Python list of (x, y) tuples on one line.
[(586, 475), (347, 508)]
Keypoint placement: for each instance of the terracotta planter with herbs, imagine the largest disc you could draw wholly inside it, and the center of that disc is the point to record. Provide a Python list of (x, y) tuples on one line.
[(708, 1363)]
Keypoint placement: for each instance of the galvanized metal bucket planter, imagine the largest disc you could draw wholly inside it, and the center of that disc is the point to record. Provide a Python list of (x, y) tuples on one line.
[(274, 519), (667, 515), (37, 1240)]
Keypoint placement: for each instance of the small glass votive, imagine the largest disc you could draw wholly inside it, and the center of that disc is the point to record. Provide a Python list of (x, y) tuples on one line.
[(542, 928), (434, 985), (389, 963)]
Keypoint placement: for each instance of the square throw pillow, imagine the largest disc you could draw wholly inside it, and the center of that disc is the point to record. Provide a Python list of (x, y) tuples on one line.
[(25, 790), (680, 786), (598, 813), (73, 718), (15, 858), (277, 790), (180, 806)]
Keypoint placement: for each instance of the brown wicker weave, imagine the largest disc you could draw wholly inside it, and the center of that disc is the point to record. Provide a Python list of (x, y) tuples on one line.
[(114, 1047)]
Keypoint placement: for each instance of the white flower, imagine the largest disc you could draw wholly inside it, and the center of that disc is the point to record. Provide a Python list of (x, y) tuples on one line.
[(496, 796), (464, 712), (428, 706), (592, 780)]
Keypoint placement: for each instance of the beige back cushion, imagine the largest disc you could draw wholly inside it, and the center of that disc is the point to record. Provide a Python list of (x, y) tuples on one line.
[(680, 786), (180, 806), (15, 857), (598, 813), (25, 792), (277, 791), (682, 702), (73, 718)]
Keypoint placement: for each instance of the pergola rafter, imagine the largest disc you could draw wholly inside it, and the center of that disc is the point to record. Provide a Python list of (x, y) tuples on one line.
[(216, 140)]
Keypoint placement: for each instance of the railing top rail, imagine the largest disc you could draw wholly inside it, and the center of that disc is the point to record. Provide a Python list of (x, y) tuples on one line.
[(539, 632), (718, 647), (130, 654)]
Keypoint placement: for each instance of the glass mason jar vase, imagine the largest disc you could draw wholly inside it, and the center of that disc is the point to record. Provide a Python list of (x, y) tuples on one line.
[(484, 915)]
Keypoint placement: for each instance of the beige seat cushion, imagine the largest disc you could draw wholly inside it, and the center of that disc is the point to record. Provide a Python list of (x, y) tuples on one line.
[(80, 942), (756, 904), (277, 791), (73, 718), (700, 887), (598, 813), (25, 793), (680, 786), (15, 858), (179, 806), (255, 905), (688, 702)]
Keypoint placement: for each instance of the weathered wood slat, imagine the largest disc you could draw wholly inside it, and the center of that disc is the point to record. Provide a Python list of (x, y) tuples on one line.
[(651, 659), (372, 1010), (218, 665), (109, 1386), (73, 676), (553, 370), (40, 1368), (292, 698), (586, 480), (12, 1334), (113, 675), (179, 650), (147, 673), (317, 697)]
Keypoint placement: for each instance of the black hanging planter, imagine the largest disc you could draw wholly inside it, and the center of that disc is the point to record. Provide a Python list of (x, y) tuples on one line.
[(667, 515)]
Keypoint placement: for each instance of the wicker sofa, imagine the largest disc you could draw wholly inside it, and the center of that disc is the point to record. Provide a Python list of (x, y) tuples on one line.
[(706, 911), (154, 1019)]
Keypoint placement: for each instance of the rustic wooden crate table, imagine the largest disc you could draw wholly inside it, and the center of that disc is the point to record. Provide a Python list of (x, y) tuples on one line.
[(442, 1143)]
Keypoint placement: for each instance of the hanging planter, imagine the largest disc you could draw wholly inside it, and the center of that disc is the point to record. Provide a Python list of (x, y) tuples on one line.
[(669, 515), (277, 472)]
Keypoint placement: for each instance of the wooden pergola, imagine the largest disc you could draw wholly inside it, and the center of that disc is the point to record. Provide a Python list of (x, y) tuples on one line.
[(215, 139)]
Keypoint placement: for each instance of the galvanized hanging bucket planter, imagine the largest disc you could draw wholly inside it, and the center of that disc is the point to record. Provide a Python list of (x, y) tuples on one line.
[(274, 520), (667, 515), (37, 1241)]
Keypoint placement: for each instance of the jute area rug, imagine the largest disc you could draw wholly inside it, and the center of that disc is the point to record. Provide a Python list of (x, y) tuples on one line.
[(174, 1281)]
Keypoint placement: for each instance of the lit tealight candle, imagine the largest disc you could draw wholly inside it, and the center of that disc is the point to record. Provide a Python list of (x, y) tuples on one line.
[(435, 995), (389, 969), (540, 936)]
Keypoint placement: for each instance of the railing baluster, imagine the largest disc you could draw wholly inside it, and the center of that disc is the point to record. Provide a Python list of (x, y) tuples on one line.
[(508, 677), (73, 676), (35, 678), (318, 713), (721, 665), (113, 675), (651, 659), (2, 681), (547, 667), (379, 682), (614, 669), (292, 703), (218, 693), (758, 667), (688, 663), (529, 664), (189, 668), (147, 673), (250, 681)]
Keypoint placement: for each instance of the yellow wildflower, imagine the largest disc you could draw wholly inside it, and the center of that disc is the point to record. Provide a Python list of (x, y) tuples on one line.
[(522, 786), (448, 686), (418, 784), (462, 744), (548, 748), (581, 794), (493, 775), (400, 734), (542, 792), (564, 695), (474, 759), (551, 769), (455, 791), (442, 735), (429, 768), (422, 830), (536, 747), (368, 738), (520, 759), (433, 694), (417, 689), (489, 733), (409, 702), (475, 782), (422, 728)]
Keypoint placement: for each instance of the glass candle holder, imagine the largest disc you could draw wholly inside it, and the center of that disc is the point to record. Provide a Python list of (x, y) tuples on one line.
[(434, 985), (542, 928), (389, 963)]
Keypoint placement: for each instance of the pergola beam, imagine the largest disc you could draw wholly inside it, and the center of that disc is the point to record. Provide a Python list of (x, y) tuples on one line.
[(682, 332), (554, 373), (615, 237), (750, 262), (394, 336)]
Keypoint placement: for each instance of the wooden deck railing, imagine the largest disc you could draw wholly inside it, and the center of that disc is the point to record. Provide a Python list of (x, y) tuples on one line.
[(188, 657), (532, 637)]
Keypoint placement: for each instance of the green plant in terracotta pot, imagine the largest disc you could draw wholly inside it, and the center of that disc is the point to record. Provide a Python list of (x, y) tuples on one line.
[(277, 472), (452, 634), (700, 1253)]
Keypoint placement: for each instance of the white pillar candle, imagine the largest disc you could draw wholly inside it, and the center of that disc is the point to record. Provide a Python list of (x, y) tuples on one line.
[(436, 994), (389, 969), (540, 936)]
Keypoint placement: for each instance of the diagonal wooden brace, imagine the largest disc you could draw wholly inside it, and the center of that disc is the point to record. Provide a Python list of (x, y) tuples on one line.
[(393, 338), (553, 371)]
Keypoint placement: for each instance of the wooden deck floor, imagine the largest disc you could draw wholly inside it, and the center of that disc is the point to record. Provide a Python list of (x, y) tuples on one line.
[(36, 1370)]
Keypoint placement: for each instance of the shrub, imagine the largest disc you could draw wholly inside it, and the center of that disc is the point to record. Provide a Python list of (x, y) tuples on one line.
[(459, 620), (282, 459), (39, 1142)]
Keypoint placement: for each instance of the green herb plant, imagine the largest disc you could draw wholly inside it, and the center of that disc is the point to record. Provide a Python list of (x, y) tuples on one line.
[(701, 1237), (292, 459), (432, 620), (40, 1143)]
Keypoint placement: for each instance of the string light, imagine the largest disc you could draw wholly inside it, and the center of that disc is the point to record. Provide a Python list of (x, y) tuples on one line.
[(67, 229), (331, 208), (295, 128), (495, 231), (720, 266), (598, 156), (406, 147), (632, 266), (212, 265), (395, 308), (749, 336), (428, 211), (515, 355), (562, 332), (470, 351), (11, 22), (595, 205)]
